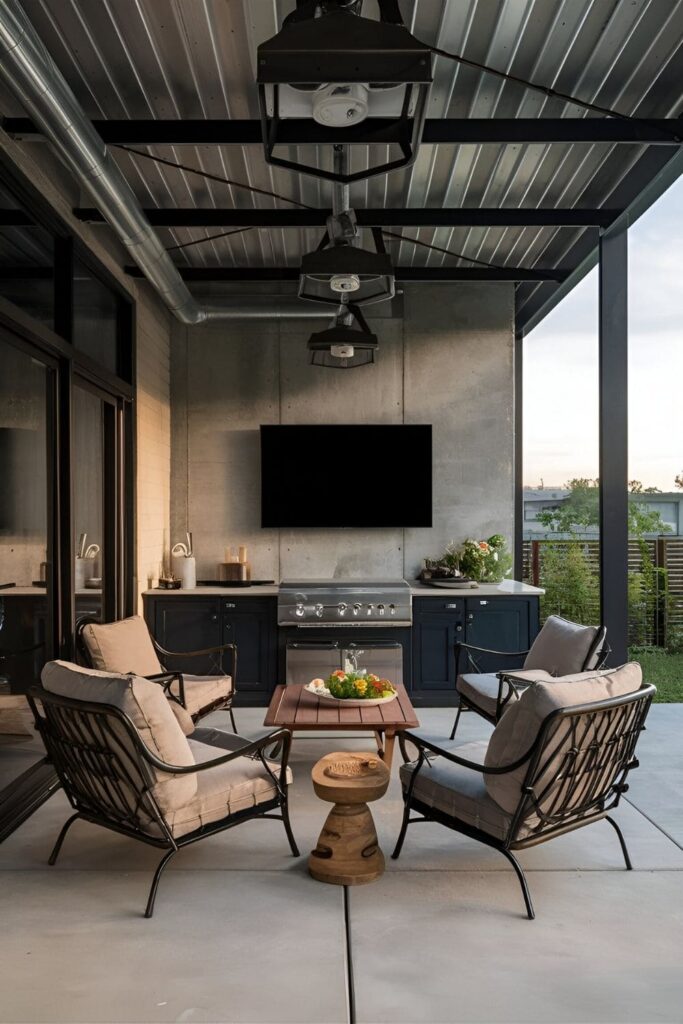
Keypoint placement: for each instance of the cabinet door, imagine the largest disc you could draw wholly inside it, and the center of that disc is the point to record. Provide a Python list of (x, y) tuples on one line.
[(188, 624), (251, 624), (500, 623), (437, 626)]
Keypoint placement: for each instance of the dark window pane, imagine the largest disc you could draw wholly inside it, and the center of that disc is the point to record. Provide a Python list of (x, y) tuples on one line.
[(26, 262), (96, 309), (23, 519), (88, 429)]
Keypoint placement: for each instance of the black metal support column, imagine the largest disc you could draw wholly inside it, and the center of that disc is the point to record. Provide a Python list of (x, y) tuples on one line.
[(518, 467), (614, 439)]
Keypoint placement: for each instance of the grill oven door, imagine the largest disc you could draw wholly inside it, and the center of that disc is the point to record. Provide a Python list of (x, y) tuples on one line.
[(317, 659)]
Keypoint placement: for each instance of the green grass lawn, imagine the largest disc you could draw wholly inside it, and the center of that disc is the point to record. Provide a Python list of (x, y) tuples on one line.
[(664, 670)]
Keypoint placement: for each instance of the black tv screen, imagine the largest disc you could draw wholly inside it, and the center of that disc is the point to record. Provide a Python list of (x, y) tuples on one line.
[(346, 476)]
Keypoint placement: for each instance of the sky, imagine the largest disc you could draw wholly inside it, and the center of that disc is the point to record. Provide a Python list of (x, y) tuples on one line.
[(561, 365)]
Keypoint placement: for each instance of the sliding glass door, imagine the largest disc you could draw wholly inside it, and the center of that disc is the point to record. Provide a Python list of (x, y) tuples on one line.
[(27, 515), (27, 393), (97, 525)]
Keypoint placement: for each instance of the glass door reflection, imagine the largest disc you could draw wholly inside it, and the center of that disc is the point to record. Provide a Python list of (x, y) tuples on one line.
[(88, 502)]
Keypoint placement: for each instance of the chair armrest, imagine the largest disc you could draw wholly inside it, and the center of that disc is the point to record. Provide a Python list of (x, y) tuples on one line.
[(219, 649), (194, 654), (166, 679), (489, 650), (424, 745), (257, 747)]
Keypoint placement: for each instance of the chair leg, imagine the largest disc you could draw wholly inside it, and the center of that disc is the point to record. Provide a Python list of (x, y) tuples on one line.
[(288, 830), (232, 721), (622, 842), (522, 881), (402, 834), (457, 719), (149, 910), (60, 838)]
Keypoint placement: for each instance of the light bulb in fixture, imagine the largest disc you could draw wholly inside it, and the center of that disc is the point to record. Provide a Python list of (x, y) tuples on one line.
[(342, 351), (339, 106), (343, 283)]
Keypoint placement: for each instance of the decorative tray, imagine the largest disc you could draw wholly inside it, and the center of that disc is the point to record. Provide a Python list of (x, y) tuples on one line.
[(450, 584), (349, 702)]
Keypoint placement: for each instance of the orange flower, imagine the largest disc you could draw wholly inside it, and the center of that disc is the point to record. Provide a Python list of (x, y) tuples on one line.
[(339, 674), (372, 678)]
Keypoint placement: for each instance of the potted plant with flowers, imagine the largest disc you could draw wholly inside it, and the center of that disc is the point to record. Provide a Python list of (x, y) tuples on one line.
[(484, 561)]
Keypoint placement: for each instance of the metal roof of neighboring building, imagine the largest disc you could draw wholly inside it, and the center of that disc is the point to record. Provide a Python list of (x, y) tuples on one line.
[(195, 59)]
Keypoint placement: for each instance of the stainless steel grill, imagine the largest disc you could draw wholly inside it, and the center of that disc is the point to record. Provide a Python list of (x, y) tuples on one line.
[(344, 603)]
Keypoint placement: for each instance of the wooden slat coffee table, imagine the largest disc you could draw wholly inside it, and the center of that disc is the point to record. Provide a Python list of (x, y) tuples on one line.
[(293, 707)]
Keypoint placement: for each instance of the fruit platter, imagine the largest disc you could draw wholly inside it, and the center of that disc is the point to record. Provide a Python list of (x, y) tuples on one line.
[(354, 689)]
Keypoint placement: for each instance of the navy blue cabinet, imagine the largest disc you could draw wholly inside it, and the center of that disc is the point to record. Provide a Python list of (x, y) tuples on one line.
[(501, 623), (251, 623), (437, 625), (191, 623)]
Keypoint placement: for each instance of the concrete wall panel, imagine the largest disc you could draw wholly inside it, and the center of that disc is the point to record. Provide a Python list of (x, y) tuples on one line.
[(447, 361)]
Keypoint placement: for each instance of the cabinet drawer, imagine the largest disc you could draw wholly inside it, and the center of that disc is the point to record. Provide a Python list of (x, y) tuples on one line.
[(454, 606)]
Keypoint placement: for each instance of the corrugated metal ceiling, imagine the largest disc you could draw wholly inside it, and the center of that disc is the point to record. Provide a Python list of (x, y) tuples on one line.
[(196, 59)]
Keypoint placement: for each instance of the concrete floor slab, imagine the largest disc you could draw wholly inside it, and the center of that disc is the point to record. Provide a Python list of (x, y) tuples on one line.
[(253, 947), (656, 787), (449, 947), (242, 934)]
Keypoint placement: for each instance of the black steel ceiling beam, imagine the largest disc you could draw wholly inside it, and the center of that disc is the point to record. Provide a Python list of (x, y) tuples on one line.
[(193, 217), (15, 219), (513, 274), (378, 130)]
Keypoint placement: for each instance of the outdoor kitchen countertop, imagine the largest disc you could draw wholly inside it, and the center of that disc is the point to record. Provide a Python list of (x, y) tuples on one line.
[(508, 588)]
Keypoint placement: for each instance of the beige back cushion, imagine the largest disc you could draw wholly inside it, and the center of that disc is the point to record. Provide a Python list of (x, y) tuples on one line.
[(520, 725), (146, 705), (123, 646), (561, 647)]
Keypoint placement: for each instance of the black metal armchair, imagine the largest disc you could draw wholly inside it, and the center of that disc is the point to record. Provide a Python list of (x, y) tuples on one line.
[(572, 774), (561, 648), (136, 650), (112, 778)]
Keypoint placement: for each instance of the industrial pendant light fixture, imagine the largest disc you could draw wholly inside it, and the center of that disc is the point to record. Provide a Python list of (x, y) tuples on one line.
[(342, 346), (366, 80), (339, 269)]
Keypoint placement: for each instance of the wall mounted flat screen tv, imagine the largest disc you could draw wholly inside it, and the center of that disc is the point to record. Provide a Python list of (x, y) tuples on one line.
[(346, 476)]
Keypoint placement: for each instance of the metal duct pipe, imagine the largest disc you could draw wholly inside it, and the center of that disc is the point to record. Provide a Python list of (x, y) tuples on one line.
[(30, 73)]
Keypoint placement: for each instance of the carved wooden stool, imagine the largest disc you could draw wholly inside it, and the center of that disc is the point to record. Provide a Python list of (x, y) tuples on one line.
[(348, 852)]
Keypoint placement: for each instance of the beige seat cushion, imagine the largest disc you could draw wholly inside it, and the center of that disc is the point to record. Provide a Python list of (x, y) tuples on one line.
[(561, 647), (183, 717), (226, 789), (146, 705), (201, 691), (519, 727), (481, 689), (457, 791), (123, 646)]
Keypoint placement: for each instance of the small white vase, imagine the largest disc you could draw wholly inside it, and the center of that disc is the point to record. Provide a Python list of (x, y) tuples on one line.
[(186, 568)]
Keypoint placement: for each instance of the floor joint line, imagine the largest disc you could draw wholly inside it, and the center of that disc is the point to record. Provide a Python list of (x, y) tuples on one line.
[(350, 991), (653, 822)]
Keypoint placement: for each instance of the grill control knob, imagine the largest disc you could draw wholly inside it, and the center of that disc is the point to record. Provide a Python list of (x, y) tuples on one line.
[(392, 609), (356, 609), (369, 610), (342, 608), (319, 611), (300, 611), (380, 609)]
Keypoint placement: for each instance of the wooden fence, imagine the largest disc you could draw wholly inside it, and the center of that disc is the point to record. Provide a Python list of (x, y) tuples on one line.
[(655, 605)]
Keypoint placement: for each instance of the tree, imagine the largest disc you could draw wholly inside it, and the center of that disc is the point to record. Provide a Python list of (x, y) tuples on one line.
[(679, 481), (580, 511)]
